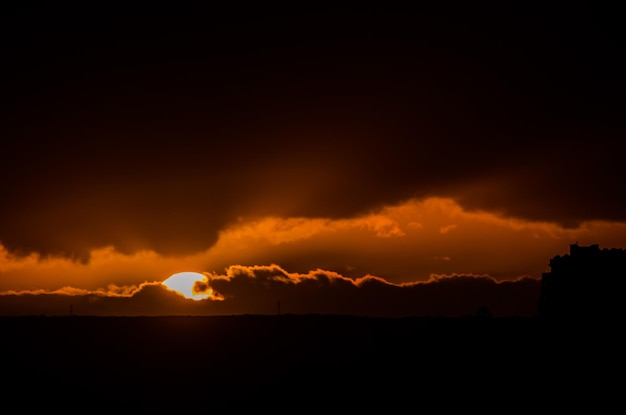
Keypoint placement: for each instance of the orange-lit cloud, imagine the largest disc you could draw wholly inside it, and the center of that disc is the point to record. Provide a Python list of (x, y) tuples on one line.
[(271, 289), (165, 150), (110, 291), (447, 228), (386, 243), (391, 148)]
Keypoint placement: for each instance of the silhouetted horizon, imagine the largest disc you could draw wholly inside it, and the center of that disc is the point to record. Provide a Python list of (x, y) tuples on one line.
[(297, 361)]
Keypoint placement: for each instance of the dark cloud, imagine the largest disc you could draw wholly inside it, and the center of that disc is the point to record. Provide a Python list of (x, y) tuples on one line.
[(270, 289), (258, 288), (201, 287), (155, 129)]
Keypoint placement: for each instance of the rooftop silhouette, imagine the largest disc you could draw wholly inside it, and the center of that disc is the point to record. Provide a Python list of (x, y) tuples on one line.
[(583, 283)]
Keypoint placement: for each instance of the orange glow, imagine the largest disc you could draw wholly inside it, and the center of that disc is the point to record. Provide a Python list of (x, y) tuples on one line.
[(190, 285), (401, 243)]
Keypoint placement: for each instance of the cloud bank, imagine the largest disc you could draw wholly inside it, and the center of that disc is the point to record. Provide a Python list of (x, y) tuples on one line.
[(272, 290), (405, 243)]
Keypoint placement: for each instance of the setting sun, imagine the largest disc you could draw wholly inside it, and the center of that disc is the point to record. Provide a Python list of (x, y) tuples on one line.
[(192, 285)]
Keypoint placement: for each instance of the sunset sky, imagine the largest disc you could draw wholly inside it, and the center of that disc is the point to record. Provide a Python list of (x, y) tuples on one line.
[(364, 162)]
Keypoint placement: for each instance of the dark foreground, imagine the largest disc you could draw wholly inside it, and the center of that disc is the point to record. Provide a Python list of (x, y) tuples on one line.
[(298, 363)]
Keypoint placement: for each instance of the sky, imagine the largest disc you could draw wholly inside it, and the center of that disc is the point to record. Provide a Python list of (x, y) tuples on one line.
[(422, 162)]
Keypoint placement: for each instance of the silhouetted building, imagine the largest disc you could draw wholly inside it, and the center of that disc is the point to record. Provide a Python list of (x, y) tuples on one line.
[(584, 283)]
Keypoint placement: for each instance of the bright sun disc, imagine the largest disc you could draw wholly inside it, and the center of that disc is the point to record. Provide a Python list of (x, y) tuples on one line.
[(192, 285)]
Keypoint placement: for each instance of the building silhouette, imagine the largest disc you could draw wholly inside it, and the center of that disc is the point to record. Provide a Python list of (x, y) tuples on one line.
[(584, 283)]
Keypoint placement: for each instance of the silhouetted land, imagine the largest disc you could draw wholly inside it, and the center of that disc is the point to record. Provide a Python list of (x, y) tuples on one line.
[(294, 363), (568, 357), (584, 283)]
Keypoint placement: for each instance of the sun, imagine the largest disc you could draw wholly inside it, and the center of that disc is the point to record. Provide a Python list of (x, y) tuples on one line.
[(192, 285)]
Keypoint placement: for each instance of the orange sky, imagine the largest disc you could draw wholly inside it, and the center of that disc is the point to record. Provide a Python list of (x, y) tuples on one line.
[(406, 149), (415, 242), (404, 243)]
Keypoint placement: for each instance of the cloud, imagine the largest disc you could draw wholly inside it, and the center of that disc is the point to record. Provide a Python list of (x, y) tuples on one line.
[(447, 228), (383, 242), (162, 150), (110, 291), (267, 289)]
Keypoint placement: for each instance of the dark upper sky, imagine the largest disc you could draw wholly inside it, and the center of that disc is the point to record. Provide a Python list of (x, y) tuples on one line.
[(155, 128)]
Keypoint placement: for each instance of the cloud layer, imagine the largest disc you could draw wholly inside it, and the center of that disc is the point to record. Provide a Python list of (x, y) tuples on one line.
[(407, 243), (272, 290), (154, 130)]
